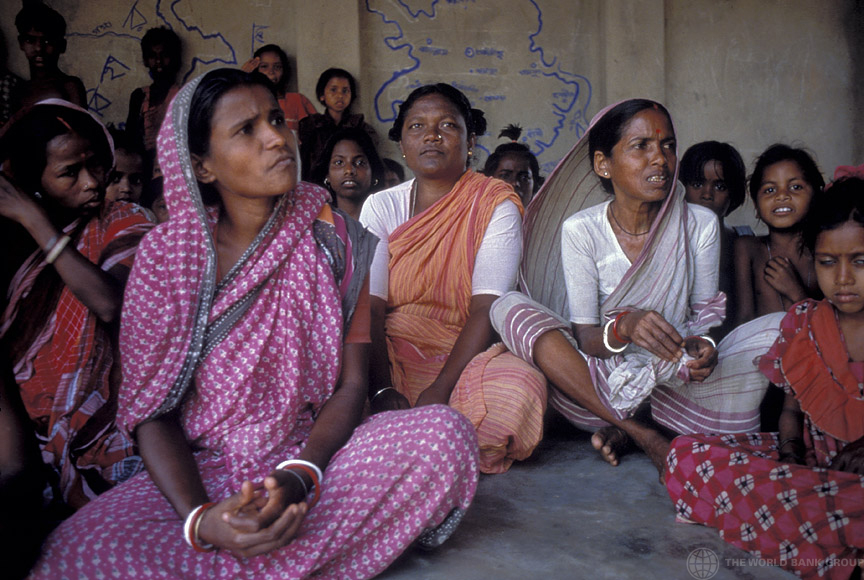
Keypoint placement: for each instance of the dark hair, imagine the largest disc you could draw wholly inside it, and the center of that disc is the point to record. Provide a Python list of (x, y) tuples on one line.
[(607, 131), (518, 150), (38, 16), (842, 202), (692, 167), (212, 87), (780, 152), (123, 140), (167, 38), (475, 120), (333, 73), (25, 143), (361, 138), (286, 66), (395, 167)]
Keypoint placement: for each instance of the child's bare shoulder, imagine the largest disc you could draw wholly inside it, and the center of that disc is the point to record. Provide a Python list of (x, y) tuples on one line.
[(751, 246)]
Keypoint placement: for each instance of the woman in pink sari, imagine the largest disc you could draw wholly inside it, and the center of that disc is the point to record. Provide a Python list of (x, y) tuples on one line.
[(244, 339)]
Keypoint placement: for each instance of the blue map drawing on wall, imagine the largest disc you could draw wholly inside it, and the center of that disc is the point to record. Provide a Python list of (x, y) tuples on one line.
[(499, 73)]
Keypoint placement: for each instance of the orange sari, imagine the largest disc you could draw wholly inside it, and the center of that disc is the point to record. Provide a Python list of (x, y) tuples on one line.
[(429, 295)]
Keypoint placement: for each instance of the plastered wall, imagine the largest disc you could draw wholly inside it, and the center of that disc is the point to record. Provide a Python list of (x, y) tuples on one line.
[(748, 72)]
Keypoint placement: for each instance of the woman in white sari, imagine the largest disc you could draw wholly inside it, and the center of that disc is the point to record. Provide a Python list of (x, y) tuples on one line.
[(637, 280)]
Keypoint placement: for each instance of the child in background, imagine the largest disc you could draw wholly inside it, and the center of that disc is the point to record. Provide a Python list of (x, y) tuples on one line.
[(128, 176), (161, 50), (775, 271), (394, 173), (514, 163), (713, 175), (794, 497), (42, 39), (271, 61), (153, 200), (350, 168), (336, 90)]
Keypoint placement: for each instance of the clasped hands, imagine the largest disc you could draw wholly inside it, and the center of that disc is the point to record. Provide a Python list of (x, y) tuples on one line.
[(258, 519)]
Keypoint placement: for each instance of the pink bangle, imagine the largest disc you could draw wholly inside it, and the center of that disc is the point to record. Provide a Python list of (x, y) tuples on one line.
[(615, 328)]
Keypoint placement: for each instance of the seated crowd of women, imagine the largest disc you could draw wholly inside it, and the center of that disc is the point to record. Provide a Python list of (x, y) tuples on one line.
[(307, 382)]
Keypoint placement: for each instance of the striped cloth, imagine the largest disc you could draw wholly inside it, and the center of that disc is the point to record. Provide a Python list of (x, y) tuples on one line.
[(429, 294), (661, 279), (64, 368)]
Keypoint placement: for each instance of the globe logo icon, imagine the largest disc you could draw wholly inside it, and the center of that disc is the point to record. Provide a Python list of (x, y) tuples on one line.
[(703, 563)]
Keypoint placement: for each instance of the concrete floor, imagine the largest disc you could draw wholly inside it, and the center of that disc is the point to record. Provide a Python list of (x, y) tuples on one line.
[(565, 513)]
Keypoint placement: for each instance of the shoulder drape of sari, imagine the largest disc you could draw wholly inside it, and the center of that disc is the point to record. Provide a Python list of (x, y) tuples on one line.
[(432, 254), (810, 358), (431, 265), (660, 279)]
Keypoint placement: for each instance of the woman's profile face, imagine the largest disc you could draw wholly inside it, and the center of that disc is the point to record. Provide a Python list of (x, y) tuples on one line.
[(74, 177), (350, 175), (435, 139), (643, 161), (252, 152)]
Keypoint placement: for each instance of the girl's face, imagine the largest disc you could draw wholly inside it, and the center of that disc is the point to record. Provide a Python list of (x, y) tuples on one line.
[(643, 160), (350, 175), (839, 262), (73, 178), (435, 139), (711, 191), (784, 197), (252, 151), (337, 95), (126, 180), (270, 65), (516, 170)]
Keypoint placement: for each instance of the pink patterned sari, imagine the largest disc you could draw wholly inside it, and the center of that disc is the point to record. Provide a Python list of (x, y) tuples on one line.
[(248, 362)]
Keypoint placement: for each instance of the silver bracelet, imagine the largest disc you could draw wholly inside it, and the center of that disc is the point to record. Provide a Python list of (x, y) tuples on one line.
[(709, 340), (608, 346), (375, 396)]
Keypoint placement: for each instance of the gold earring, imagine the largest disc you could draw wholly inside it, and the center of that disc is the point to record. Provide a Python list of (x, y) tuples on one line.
[(470, 152)]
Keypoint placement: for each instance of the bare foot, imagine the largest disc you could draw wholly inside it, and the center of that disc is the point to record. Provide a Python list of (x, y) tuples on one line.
[(612, 442)]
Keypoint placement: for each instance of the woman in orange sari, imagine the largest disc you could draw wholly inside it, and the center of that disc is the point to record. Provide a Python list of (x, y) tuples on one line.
[(450, 244)]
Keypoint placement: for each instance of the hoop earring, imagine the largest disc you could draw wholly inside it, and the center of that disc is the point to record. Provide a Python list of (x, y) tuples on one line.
[(327, 182), (375, 181)]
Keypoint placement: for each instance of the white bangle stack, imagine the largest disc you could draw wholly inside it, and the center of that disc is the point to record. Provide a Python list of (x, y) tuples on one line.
[(608, 346)]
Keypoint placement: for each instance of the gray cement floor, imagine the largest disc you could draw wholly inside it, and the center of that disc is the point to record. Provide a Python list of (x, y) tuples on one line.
[(565, 513)]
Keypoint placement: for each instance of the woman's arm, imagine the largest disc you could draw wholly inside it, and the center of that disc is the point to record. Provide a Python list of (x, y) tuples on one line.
[(100, 291), (235, 523), (791, 433), (382, 395), (744, 285), (645, 328), (21, 480), (476, 336)]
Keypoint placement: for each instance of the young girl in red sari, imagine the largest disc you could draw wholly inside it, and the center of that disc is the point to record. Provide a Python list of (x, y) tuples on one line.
[(794, 498)]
